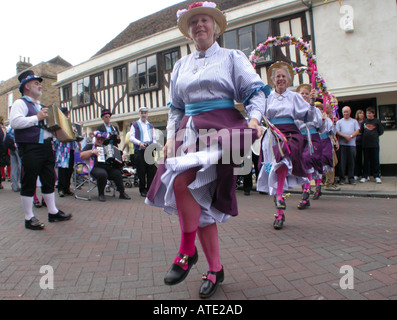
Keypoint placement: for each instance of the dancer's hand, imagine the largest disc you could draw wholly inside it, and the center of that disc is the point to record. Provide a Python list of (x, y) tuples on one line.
[(254, 124), (169, 148)]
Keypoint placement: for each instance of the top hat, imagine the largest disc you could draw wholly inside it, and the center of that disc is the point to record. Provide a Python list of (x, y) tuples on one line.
[(25, 77), (206, 7), (105, 112)]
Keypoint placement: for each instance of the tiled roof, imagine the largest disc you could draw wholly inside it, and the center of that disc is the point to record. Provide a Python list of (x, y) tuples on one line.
[(157, 22)]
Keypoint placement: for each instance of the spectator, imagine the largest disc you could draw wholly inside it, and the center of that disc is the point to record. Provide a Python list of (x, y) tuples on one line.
[(4, 155), (114, 135), (100, 170), (358, 166), (347, 129), (142, 135), (330, 183), (371, 129), (15, 161)]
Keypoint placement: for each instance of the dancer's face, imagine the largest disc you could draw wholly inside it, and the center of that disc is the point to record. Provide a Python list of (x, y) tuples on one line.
[(281, 80)]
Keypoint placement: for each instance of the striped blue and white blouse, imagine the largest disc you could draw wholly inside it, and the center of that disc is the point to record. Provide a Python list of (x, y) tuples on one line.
[(221, 74)]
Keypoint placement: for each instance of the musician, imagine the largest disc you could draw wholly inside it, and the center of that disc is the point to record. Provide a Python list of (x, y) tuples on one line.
[(64, 161), (102, 171), (35, 150), (114, 134), (142, 135)]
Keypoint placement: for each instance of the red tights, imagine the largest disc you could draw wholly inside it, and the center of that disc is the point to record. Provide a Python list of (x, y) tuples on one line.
[(189, 212)]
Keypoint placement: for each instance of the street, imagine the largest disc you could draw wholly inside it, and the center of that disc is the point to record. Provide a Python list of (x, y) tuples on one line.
[(341, 248)]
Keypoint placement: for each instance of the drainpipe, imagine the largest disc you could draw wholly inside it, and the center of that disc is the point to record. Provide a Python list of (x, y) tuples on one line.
[(309, 5)]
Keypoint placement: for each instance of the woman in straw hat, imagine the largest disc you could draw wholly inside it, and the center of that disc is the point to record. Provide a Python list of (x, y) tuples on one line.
[(312, 146), (204, 129), (282, 145)]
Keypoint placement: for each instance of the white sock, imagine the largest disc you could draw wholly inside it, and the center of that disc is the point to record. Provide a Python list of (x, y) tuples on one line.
[(49, 199), (27, 203)]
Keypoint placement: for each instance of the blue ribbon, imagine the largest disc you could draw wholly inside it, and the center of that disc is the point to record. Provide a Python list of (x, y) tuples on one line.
[(311, 130), (277, 121), (193, 109)]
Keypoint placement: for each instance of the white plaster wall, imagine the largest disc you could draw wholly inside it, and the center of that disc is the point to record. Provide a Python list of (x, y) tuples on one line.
[(365, 58)]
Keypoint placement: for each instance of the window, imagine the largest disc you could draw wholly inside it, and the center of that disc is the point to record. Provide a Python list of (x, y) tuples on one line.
[(247, 38), (10, 98), (81, 92), (67, 93), (142, 73), (170, 59), (120, 74), (97, 82)]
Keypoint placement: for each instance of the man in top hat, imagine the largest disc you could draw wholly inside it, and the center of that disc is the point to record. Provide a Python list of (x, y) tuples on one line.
[(114, 134), (35, 150), (142, 135)]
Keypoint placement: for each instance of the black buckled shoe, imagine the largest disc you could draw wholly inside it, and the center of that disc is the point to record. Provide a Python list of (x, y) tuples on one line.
[(279, 221), (177, 274), (124, 196), (59, 216), (34, 224), (37, 204), (304, 204), (318, 193), (280, 204), (208, 288)]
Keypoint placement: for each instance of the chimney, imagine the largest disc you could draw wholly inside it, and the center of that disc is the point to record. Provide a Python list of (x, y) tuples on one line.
[(23, 65)]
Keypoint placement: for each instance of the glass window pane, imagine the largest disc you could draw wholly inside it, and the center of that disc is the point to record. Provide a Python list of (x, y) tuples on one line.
[(262, 32), (152, 64), (132, 78), (168, 61), (152, 70), (246, 43), (124, 74), (175, 57), (142, 76), (152, 79), (230, 40), (86, 85)]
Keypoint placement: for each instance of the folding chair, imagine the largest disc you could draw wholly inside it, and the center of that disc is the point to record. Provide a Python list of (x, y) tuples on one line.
[(84, 183)]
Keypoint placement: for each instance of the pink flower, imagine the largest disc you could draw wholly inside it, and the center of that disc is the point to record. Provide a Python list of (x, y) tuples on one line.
[(180, 12)]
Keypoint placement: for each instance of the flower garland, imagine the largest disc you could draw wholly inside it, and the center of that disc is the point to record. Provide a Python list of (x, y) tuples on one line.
[(316, 79)]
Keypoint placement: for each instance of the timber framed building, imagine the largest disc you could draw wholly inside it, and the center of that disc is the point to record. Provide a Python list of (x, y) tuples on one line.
[(134, 69)]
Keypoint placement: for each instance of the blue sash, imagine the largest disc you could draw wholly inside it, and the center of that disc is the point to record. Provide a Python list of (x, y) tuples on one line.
[(324, 136), (193, 109), (311, 130), (277, 121)]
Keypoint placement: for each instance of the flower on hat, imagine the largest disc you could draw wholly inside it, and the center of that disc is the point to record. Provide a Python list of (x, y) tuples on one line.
[(206, 4)]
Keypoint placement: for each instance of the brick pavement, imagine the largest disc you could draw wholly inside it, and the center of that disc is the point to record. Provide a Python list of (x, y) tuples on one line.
[(122, 249)]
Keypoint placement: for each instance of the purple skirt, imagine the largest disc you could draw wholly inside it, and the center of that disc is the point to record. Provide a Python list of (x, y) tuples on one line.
[(313, 160), (295, 143), (235, 131), (326, 156)]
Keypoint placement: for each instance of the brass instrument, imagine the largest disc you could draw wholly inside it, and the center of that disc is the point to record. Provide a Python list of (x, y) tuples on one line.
[(60, 126)]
